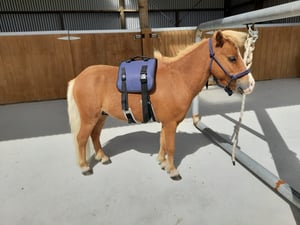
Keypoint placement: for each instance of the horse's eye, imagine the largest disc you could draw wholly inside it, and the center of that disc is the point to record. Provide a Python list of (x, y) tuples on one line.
[(232, 59)]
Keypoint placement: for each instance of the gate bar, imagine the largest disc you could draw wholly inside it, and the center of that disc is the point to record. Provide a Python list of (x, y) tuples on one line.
[(275, 183), (287, 10)]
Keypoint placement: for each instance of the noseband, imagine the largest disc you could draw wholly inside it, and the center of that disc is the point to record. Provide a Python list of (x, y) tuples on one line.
[(232, 76)]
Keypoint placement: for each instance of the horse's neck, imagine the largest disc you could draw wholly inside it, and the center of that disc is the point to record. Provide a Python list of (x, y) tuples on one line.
[(194, 68)]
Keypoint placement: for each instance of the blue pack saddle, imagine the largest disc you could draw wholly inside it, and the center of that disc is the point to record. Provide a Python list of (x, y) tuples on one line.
[(137, 75)]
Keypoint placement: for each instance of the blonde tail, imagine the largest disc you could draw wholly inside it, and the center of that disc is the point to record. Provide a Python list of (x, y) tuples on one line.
[(74, 119)]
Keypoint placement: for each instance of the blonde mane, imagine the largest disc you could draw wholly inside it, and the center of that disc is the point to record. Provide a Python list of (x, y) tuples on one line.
[(181, 53), (236, 37)]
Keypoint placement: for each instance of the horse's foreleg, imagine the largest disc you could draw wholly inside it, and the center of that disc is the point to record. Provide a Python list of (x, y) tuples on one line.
[(162, 153), (99, 153), (169, 131)]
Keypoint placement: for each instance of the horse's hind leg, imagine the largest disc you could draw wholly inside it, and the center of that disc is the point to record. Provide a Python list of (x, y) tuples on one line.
[(82, 139), (99, 153)]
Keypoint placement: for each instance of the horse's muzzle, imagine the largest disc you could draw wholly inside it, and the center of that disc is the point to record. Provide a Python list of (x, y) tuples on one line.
[(245, 86)]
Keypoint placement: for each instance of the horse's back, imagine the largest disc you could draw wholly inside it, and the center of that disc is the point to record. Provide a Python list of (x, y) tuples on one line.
[(93, 84), (97, 71), (95, 76)]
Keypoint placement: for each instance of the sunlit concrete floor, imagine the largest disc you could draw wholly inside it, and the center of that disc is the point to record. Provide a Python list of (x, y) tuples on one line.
[(40, 182)]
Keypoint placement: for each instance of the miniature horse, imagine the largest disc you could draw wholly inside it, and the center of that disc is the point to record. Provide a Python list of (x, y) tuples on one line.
[(93, 95)]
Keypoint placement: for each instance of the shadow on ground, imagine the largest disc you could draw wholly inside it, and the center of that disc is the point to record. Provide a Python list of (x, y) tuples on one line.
[(148, 143)]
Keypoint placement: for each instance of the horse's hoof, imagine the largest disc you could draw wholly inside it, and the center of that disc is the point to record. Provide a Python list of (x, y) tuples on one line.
[(87, 172), (176, 177), (107, 162)]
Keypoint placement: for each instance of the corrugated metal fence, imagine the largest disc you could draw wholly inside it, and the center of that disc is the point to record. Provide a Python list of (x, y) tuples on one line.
[(58, 5), (42, 15)]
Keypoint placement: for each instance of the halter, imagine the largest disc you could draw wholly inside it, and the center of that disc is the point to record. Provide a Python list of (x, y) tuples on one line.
[(232, 76)]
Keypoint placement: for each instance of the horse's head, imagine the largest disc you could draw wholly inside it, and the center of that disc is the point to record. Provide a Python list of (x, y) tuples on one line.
[(227, 65)]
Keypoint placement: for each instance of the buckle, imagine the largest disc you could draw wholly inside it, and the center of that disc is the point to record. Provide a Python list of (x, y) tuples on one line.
[(129, 116), (127, 112)]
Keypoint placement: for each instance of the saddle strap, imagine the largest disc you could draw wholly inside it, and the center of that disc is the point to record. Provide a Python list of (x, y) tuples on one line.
[(124, 99), (145, 95), (148, 112)]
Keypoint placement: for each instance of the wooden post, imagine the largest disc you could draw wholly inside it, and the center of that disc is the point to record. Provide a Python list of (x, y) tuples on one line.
[(147, 43), (122, 14), (143, 14)]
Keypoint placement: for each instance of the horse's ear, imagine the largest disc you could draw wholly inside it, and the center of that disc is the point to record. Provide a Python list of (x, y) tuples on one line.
[(219, 39)]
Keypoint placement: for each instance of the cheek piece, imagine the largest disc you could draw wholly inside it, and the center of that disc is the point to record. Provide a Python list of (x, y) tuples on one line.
[(231, 76)]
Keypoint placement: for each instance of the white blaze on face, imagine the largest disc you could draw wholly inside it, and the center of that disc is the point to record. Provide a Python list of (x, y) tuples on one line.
[(251, 84), (247, 85)]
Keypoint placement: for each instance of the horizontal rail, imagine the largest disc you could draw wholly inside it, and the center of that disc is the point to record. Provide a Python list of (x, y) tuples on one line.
[(287, 10)]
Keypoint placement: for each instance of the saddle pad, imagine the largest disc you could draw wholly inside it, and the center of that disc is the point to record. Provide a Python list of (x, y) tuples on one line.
[(133, 73)]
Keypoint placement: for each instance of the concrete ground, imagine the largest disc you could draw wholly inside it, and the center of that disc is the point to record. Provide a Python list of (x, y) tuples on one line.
[(40, 183)]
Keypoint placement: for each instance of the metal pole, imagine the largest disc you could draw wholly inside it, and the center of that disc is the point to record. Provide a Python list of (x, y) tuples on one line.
[(278, 185), (287, 10)]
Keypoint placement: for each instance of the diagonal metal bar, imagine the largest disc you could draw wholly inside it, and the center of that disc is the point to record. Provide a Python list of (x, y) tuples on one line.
[(276, 184)]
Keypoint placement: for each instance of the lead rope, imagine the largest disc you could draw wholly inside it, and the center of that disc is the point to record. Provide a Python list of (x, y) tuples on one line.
[(248, 56)]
